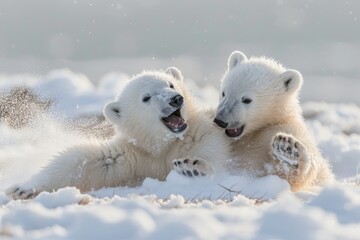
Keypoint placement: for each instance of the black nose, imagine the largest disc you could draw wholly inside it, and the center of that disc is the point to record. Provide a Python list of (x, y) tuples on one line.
[(220, 123), (177, 101)]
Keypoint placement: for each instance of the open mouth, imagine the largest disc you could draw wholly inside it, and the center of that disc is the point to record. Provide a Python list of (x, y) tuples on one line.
[(175, 122), (234, 132)]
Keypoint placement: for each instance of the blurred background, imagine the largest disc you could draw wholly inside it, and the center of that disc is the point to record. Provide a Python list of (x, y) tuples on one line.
[(319, 38)]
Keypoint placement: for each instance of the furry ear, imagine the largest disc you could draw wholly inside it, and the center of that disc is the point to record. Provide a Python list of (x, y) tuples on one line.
[(235, 58), (175, 72), (112, 112), (292, 80)]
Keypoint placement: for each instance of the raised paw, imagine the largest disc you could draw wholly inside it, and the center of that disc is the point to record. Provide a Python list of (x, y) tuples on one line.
[(192, 167), (19, 192), (288, 152)]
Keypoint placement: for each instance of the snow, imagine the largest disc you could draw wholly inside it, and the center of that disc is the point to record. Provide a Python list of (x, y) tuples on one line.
[(223, 207)]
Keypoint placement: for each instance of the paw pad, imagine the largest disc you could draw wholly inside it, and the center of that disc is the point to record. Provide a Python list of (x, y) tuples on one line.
[(191, 167), (286, 150)]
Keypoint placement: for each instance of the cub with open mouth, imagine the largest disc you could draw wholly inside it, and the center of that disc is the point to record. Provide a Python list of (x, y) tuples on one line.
[(159, 127), (174, 121), (259, 110)]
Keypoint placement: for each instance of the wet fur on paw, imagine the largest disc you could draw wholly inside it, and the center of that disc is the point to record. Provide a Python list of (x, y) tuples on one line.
[(192, 167)]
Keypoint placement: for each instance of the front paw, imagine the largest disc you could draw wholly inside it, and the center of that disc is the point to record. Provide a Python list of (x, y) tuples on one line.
[(21, 192), (289, 153), (192, 167)]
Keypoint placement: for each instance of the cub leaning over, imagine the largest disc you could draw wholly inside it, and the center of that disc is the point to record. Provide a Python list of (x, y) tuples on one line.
[(259, 110), (157, 121)]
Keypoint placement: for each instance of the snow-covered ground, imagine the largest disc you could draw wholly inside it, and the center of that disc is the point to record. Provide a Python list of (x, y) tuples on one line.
[(233, 207)]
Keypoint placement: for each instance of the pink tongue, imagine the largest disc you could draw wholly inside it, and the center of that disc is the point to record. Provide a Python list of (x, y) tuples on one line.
[(174, 119)]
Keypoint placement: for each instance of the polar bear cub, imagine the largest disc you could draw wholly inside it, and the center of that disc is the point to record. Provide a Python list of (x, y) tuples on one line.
[(259, 110), (159, 126)]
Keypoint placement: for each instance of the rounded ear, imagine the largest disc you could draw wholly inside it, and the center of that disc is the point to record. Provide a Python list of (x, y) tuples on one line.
[(292, 80), (175, 72), (112, 112), (235, 58)]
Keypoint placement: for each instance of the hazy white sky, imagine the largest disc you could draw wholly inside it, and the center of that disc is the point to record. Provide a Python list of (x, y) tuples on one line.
[(320, 38), (101, 29)]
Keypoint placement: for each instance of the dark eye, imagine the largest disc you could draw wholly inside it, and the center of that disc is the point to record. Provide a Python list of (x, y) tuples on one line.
[(171, 86), (146, 99), (246, 100), (223, 94)]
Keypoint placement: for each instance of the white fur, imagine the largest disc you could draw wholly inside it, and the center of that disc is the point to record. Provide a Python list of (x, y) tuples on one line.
[(235, 58), (274, 110), (175, 73), (143, 146)]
